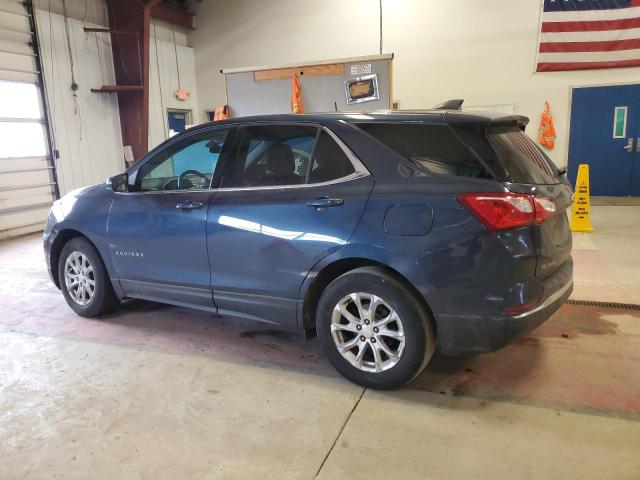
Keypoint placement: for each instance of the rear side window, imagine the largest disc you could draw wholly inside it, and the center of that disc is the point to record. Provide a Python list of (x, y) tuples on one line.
[(510, 154), (329, 161), (436, 148), (272, 155), (521, 159)]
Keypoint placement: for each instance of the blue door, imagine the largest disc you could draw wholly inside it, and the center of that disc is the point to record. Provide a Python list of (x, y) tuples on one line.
[(284, 204), (604, 134), (177, 121)]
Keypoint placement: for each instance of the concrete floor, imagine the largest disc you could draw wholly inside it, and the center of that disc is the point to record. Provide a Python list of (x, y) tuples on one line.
[(162, 392)]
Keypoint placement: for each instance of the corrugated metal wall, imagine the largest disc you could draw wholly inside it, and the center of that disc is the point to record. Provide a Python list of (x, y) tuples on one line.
[(163, 79), (86, 125), (27, 185)]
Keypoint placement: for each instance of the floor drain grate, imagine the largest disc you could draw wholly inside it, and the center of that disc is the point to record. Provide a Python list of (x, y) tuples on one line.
[(617, 306)]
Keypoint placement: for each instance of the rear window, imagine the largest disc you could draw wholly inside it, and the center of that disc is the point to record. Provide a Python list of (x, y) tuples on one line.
[(511, 155), (436, 148)]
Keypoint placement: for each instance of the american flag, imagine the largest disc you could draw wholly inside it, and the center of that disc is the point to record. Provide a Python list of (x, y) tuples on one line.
[(589, 34)]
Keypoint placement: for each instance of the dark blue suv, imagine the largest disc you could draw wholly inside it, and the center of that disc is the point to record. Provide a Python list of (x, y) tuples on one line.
[(387, 234)]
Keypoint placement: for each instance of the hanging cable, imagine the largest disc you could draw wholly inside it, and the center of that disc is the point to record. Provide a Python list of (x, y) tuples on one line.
[(162, 113), (74, 84), (175, 50), (380, 3)]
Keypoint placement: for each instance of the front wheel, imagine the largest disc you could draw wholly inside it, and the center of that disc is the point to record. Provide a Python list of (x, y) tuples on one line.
[(375, 330), (83, 279)]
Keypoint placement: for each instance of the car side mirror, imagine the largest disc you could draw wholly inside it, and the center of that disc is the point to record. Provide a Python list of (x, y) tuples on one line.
[(120, 183), (562, 172)]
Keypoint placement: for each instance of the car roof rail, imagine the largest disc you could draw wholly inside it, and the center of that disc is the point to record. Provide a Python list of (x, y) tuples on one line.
[(454, 104)]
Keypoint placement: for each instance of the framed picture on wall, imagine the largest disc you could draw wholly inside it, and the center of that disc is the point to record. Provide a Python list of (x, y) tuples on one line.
[(362, 89)]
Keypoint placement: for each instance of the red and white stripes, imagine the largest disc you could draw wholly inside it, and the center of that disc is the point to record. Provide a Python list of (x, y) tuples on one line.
[(589, 39)]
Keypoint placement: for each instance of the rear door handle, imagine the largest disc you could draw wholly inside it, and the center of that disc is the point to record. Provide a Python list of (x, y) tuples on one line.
[(189, 205), (325, 202)]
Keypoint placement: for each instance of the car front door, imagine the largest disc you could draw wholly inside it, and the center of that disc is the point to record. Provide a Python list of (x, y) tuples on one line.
[(157, 230), (290, 195)]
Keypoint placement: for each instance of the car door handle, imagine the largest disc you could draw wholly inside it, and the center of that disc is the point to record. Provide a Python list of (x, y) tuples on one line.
[(189, 205), (324, 202)]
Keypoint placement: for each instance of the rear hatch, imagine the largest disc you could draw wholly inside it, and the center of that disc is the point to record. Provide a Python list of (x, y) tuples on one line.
[(522, 167)]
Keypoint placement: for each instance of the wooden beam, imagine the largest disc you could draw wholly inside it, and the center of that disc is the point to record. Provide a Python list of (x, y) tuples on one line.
[(173, 15), (335, 69), (131, 65), (118, 89), (108, 30)]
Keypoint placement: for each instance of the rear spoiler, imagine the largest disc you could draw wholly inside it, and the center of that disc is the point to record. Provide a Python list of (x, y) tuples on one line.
[(454, 104), (512, 120)]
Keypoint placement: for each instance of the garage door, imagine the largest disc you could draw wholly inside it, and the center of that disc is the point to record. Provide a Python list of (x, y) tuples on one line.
[(27, 177)]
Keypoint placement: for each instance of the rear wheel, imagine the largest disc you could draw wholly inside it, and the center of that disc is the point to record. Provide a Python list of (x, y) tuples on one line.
[(375, 331), (83, 279)]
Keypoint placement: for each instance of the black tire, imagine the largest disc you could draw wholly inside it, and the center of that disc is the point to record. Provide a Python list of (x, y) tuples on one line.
[(419, 336), (104, 298)]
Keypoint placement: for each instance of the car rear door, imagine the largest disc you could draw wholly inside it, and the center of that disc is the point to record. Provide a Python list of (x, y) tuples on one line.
[(291, 195)]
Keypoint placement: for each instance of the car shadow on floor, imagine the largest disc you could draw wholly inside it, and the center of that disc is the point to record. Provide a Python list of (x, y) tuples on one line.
[(185, 331)]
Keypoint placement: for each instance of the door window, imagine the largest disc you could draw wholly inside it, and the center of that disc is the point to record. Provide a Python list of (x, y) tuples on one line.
[(189, 164), (272, 155), (329, 161), (620, 122)]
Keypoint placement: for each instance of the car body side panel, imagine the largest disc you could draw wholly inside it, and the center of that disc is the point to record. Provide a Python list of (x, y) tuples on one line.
[(160, 250), (459, 267), (84, 210), (262, 243)]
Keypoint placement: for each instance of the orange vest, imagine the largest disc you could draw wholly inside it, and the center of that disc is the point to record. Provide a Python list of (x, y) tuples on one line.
[(221, 113), (547, 131), (296, 95)]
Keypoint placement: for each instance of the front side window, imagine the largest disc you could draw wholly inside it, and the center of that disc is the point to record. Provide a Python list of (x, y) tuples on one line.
[(187, 165)]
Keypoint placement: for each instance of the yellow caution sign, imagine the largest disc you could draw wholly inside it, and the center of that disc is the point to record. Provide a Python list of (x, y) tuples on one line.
[(580, 220)]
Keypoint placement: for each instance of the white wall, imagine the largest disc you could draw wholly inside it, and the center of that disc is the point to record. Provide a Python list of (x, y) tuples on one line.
[(163, 81), (86, 128), (482, 51)]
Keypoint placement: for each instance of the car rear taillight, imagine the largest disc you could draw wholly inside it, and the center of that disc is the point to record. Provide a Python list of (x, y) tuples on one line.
[(545, 208), (504, 211)]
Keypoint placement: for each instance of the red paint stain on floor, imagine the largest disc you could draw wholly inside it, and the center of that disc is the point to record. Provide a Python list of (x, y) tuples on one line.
[(578, 359)]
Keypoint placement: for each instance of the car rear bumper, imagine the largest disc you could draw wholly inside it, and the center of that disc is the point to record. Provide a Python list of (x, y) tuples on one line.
[(460, 334)]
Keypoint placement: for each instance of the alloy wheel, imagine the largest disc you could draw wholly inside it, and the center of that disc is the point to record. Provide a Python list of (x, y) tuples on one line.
[(367, 332), (79, 278)]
